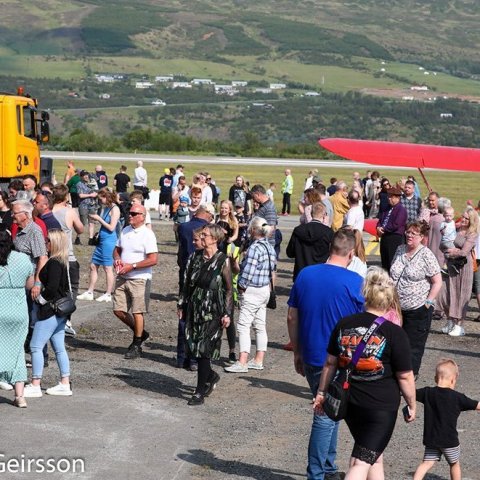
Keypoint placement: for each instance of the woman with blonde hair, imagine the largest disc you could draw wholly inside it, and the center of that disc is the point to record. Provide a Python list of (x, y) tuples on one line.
[(256, 270), (456, 291), (228, 223), (103, 253), (55, 280), (359, 260), (382, 372)]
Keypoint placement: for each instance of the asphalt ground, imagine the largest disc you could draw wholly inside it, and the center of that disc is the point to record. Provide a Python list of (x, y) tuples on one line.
[(130, 419)]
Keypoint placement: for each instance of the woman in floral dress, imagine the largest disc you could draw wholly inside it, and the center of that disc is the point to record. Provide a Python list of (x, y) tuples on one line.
[(206, 302)]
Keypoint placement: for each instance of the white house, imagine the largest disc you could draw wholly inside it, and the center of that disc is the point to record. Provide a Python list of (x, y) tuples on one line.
[(446, 115), (311, 94), (104, 78), (143, 85), (104, 96), (419, 88), (225, 90), (202, 81), (181, 85), (239, 83), (164, 78), (262, 90), (277, 86)]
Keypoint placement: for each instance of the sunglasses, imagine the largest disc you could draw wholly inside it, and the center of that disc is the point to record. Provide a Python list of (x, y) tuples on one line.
[(134, 214)]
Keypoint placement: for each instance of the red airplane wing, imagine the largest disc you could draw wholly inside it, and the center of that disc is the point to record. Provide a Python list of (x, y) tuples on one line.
[(409, 155)]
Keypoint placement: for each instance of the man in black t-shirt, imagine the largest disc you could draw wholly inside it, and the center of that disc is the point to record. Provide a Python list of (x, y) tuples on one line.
[(443, 406), (121, 181)]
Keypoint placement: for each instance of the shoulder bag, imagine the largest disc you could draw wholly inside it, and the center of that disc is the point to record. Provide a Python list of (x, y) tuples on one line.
[(96, 237), (272, 300), (65, 306), (338, 392)]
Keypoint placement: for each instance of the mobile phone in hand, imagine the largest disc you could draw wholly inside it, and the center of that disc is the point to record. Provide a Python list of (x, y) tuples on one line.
[(406, 412)]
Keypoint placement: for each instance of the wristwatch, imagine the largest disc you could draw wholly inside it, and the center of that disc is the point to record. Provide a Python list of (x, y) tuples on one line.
[(134, 265)]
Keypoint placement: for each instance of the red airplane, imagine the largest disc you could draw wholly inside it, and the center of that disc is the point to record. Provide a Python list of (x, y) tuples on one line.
[(407, 155)]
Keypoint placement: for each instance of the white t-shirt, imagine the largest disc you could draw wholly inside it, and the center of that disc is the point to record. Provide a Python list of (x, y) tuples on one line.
[(207, 195), (136, 244), (357, 266), (355, 218), (140, 177)]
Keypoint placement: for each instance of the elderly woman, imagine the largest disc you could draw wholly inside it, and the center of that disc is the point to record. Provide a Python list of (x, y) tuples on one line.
[(382, 372), (416, 273), (254, 291), (391, 227), (16, 275), (205, 303), (103, 253), (458, 287)]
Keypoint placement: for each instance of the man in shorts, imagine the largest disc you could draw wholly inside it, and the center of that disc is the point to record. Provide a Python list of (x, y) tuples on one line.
[(134, 256)]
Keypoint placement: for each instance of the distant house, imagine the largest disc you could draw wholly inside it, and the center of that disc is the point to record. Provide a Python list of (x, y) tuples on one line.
[(164, 78), (266, 106), (105, 78), (311, 94), (446, 115), (239, 83), (419, 88), (225, 90), (408, 97), (181, 85), (277, 86), (262, 90), (202, 81), (73, 95), (104, 96), (143, 85), (158, 102)]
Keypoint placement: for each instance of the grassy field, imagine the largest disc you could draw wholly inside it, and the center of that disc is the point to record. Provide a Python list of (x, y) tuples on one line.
[(458, 186)]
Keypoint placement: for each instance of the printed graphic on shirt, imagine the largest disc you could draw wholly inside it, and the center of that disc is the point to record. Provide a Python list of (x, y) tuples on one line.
[(370, 366)]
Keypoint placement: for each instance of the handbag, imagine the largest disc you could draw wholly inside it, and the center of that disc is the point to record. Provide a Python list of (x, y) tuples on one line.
[(65, 306), (338, 392), (95, 240), (272, 299)]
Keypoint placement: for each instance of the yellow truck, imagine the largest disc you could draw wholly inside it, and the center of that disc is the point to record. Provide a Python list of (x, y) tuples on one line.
[(23, 128)]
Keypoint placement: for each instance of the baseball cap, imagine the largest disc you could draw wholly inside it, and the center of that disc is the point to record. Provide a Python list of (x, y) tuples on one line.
[(208, 207)]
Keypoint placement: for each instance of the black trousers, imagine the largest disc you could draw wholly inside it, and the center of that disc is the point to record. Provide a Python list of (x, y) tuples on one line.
[(286, 203), (416, 324), (388, 247)]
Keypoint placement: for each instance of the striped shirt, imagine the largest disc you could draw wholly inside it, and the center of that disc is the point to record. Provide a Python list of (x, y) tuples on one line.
[(255, 267)]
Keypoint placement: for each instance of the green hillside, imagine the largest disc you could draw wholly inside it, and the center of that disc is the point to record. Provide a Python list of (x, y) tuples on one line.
[(439, 34)]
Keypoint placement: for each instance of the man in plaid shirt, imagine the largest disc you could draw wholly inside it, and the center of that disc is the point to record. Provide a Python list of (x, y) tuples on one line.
[(411, 202)]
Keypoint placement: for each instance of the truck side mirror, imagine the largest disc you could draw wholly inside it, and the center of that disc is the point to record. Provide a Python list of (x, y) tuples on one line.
[(44, 131)]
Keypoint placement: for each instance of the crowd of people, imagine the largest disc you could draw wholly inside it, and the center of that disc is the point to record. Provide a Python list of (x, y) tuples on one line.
[(227, 258)]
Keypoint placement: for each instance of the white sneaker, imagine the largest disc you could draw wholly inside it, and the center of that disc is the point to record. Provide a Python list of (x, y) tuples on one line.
[(69, 330), (61, 389), (106, 297), (5, 386), (32, 391), (252, 364), (237, 367), (85, 296), (447, 328), (457, 331)]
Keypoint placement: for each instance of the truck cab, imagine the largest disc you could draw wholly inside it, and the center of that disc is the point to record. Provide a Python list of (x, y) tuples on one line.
[(22, 130)]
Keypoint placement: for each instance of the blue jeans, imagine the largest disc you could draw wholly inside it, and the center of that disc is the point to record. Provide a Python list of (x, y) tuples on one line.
[(322, 447), (52, 329)]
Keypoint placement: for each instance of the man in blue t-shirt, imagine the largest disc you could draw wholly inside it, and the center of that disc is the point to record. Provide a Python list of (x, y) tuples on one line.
[(322, 295)]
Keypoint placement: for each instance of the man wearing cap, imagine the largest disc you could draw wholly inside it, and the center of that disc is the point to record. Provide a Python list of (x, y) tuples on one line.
[(391, 227), (134, 256), (87, 205)]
